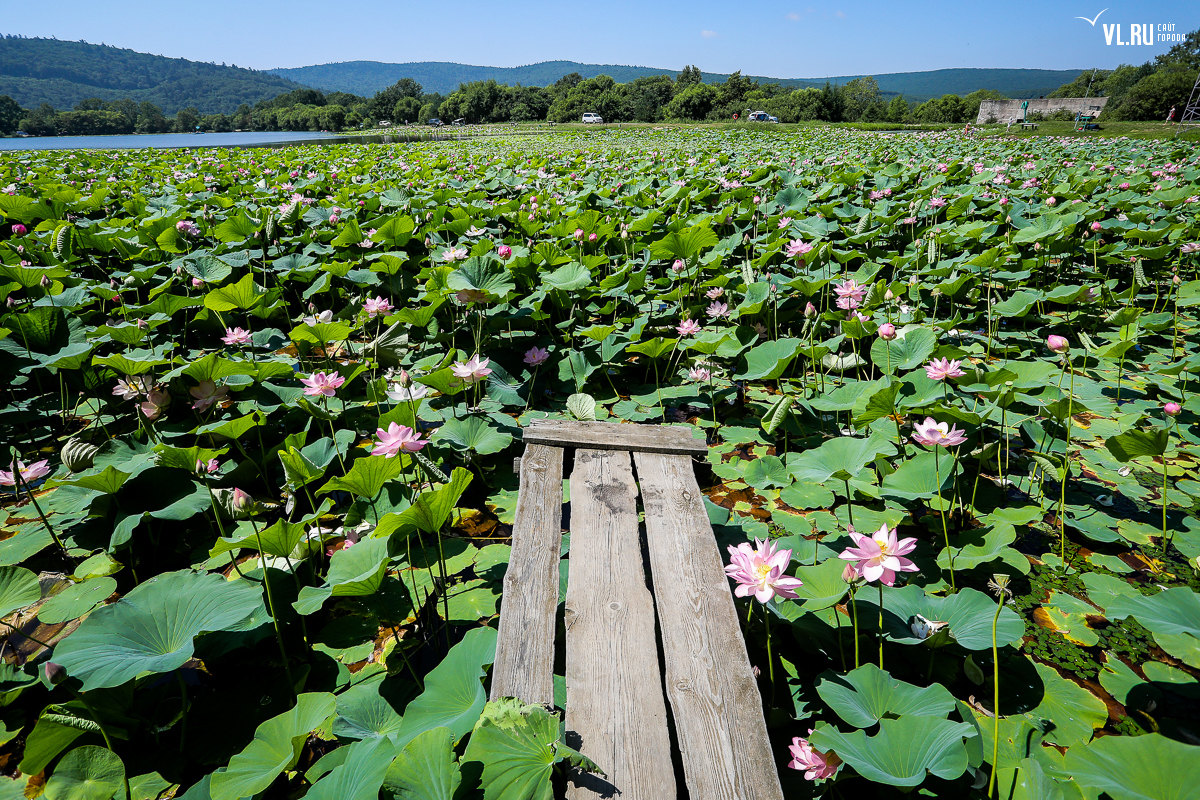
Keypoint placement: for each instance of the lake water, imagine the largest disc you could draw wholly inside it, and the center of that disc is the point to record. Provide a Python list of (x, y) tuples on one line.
[(235, 139)]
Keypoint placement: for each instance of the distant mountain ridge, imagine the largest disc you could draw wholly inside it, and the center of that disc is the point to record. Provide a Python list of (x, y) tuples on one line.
[(35, 71), (369, 77)]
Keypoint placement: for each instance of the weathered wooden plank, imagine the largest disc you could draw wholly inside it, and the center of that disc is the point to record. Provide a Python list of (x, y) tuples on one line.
[(614, 687), (614, 436), (715, 701), (524, 665)]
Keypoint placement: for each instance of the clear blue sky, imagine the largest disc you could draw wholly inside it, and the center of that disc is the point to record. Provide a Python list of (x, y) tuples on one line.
[(776, 38)]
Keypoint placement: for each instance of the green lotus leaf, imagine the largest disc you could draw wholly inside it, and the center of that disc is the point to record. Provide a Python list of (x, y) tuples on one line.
[(769, 360), (903, 750), (18, 588), (473, 433), (366, 478), (426, 768), (840, 459), (276, 748), (429, 510), (1149, 767), (86, 773), (75, 601), (454, 695), (866, 695), (361, 774), (151, 628)]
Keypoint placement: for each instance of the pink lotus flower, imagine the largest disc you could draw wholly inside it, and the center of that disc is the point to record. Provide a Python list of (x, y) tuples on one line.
[(718, 310), (937, 202), (1189, 248), (156, 401), (197, 283), (699, 374), (203, 468), (472, 370), (678, 265), (784, 222), (579, 233), (131, 388), (236, 336), (536, 356), (32, 472), (504, 251), (880, 556), (797, 248), (932, 433), (187, 227), (1172, 409), (206, 394), (324, 316), (941, 369), (815, 764), (759, 572), (1057, 343), (374, 306), (452, 254), (689, 327), (714, 293), (18, 229), (1096, 227), (397, 439), (887, 331), (1050, 201), (320, 383)]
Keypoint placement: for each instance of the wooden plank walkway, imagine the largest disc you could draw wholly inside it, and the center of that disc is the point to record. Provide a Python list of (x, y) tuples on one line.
[(616, 712)]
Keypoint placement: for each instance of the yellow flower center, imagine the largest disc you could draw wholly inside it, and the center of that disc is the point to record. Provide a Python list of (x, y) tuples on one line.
[(762, 570)]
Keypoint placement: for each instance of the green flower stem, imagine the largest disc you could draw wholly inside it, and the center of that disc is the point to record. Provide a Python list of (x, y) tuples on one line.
[(942, 513), (881, 624), (995, 695), (854, 614), (770, 656)]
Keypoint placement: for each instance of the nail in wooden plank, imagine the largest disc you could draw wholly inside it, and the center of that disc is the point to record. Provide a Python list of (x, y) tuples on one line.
[(524, 665), (714, 699), (614, 686), (614, 436)]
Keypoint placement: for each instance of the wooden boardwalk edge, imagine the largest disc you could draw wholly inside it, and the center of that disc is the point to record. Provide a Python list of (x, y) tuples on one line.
[(524, 665), (714, 697), (614, 436)]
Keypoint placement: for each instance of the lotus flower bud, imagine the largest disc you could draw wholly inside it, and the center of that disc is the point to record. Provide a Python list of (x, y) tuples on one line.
[(1057, 343), (579, 233), (130, 280), (241, 500), (1095, 227), (810, 311), (888, 296), (45, 281), (849, 574), (197, 283), (55, 673), (18, 229), (504, 251), (887, 331), (677, 266), (1172, 409), (404, 379)]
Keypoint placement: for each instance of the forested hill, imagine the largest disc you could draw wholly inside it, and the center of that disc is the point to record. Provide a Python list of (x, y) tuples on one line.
[(36, 71), (368, 77)]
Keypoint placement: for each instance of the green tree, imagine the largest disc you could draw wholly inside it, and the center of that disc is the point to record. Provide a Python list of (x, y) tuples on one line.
[(897, 109), (186, 119), (690, 76), (859, 97), (10, 114), (90, 104), (1152, 97), (694, 102), (383, 104), (406, 110), (42, 121), (150, 118)]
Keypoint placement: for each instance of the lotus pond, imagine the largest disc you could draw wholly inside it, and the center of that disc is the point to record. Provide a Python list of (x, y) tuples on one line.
[(260, 410)]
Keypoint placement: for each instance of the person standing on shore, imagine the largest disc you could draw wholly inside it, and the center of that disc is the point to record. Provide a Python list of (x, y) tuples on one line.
[(1171, 115)]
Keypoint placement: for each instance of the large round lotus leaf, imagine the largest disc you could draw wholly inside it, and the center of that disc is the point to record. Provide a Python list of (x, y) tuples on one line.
[(18, 588), (453, 696), (86, 773), (151, 628), (76, 600), (1149, 767), (866, 695), (903, 750)]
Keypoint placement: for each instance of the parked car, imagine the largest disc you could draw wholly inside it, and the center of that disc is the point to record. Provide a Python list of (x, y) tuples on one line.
[(435, 123), (592, 119), (760, 116), (458, 123)]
